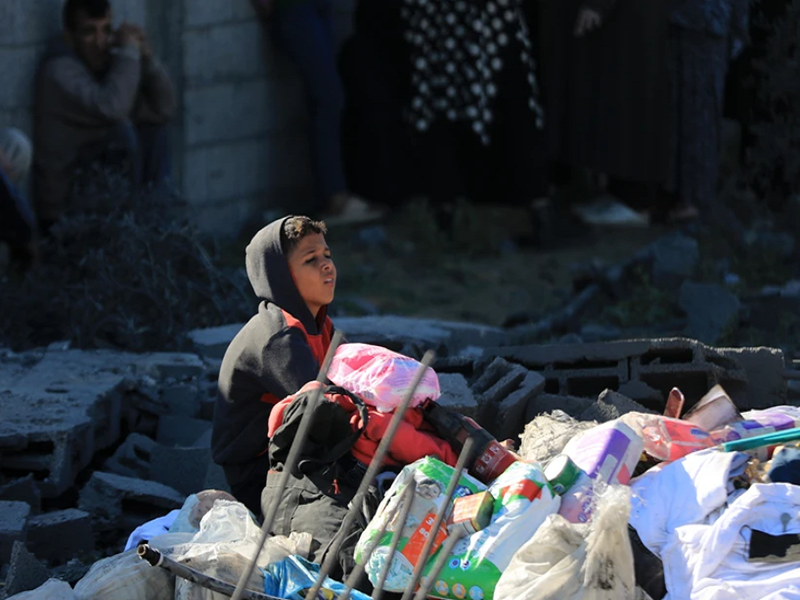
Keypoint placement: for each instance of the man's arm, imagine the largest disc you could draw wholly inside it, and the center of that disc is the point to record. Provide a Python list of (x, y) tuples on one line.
[(158, 101), (90, 101)]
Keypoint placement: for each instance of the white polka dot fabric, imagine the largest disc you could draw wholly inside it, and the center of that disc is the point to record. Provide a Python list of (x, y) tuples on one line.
[(457, 50)]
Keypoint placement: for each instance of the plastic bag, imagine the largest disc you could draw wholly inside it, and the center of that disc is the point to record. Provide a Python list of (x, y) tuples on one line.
[(125, 576), (523, 500), (381, 377), (432, 477), (227, 540), (294, 576), (668, 439), (52, 589), (563, 561)]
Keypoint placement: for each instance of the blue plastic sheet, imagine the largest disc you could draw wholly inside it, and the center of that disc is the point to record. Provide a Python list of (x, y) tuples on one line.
[(294, 576)]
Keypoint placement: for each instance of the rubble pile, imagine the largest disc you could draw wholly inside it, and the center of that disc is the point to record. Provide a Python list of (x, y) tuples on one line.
[(95, 443)]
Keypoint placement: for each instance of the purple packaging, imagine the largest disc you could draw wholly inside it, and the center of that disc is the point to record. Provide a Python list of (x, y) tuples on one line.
[(766, 422), (607, 453)]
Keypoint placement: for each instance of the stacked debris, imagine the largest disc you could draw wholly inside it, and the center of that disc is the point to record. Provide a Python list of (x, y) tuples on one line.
[(95, 443)]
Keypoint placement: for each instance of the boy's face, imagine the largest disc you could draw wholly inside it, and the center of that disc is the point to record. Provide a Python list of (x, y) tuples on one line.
[(313, 271)]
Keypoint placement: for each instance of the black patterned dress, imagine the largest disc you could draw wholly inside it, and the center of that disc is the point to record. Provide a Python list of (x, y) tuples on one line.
[(703, 37), (474, 76)]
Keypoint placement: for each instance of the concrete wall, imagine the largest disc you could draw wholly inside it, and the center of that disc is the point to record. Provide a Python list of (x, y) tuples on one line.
[(239, 140)]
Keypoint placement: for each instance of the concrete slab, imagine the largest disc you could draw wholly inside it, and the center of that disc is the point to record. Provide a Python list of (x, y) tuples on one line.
[(23, 490), (25, 571), (169, 365), (183, 469), (180, 431), (65, 408), (213, 341), (13, 519), (457, 395), (57, 536), (123, 503), (133, 457)]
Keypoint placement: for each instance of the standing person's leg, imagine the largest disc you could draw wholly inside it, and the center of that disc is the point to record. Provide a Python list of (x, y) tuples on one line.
[(305, 32), (154, 154)]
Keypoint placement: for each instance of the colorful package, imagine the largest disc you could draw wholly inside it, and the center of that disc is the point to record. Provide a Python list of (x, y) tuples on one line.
[(432, 477), (668, 439), (523, 500), (608, 452), (381, 377), (758, 422)]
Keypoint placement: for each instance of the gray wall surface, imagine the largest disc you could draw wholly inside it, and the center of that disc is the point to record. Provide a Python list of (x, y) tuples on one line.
[(239, 140)]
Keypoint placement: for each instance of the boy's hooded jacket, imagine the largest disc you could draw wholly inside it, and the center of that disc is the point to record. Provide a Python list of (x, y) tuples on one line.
[(279, 350)]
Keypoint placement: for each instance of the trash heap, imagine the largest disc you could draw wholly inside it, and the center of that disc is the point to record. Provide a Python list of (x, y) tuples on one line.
[(610, 498)]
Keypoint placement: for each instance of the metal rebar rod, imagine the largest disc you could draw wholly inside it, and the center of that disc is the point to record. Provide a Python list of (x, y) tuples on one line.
[(409, 495), (466, 452), (294, 452), (157, 559), (374, 466), (444, 554), (361, 567)]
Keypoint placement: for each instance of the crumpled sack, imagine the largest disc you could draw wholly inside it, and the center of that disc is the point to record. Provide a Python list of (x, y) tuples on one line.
[(226, 542), (565, 561), (381, 377)]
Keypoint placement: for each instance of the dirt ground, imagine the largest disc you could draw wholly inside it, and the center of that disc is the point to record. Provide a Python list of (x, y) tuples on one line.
[(481, 274)]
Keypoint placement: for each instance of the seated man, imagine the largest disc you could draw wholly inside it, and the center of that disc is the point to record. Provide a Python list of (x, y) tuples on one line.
[(99, 91), (17, 221)]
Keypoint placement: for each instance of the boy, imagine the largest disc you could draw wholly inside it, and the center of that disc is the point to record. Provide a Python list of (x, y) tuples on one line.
[(278, 351)]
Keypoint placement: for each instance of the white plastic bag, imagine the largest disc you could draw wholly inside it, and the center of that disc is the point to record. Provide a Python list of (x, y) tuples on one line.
[(125, 576), (227, 539), (52, 589), (381, 377), (565, 561)]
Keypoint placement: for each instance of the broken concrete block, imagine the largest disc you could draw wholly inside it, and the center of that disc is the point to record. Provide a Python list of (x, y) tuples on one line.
[(711, 310), (215, 478), (645, 395), (123, 503), (133, 457), (67, 406), (497, 381), (59, 535), (766, 385), (52, 589), (675, 258), (509, 415), (204, 441), (170, 365), (183, 469), (600, 412), (180, 431), (213, 341), (13, 518), (181, 399), (25, 571), (545, 403), (456, 394), (23, 490)]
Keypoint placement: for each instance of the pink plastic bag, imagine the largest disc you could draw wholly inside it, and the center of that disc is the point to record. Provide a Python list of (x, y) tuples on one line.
[(381, 377), (668, 439)]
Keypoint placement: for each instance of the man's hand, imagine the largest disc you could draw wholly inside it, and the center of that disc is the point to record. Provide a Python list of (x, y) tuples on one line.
[(129, 35), (263, 8), (588, 20)]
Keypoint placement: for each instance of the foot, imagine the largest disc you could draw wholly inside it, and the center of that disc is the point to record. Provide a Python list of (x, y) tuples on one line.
[(347, 209)]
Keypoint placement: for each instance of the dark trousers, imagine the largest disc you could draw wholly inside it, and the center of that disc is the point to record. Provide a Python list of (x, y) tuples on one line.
[(304, 31)]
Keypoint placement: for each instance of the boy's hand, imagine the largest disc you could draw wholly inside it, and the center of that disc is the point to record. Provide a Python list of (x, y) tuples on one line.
[(263, 8), (588, 20)]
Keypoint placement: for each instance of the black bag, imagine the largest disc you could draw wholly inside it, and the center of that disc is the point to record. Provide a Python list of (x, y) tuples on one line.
[(325, 480)]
